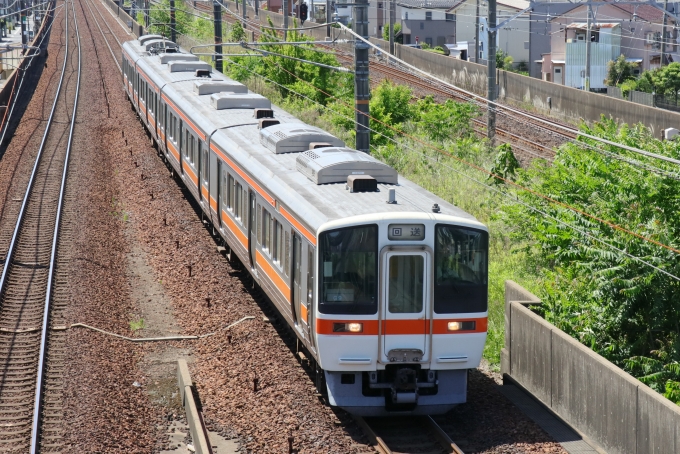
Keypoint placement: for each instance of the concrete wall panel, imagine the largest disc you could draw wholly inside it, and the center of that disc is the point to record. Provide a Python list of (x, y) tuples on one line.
[(530, 361), (594, 395), (658, 423)]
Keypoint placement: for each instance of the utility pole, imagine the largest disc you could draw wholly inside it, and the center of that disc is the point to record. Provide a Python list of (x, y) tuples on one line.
[(244, 14), (328, 18), (285, 20), (257, 8), (361, 88), (663, 32), (393, 14), (23, 22), (491, 72), (217, 20), (476, 34), (146, 14), (588, 32), (173, 24)]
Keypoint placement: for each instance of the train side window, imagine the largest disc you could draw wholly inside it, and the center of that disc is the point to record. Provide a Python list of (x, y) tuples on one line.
[(259, 224), (225, 187), (286, 255), (230, 186), (244, 206), (310, 276), (238, 189), (266, 219), (206, 166), (185, 150), (277, 254)]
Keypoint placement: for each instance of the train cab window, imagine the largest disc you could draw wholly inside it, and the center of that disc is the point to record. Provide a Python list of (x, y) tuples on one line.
[(460, 275), (405, 284), (348, 270)]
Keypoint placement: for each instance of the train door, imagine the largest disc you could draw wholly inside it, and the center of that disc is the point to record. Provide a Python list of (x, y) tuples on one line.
[(252, 227), (296, 274), (307, 303), (405, 305), (221, 190), (203, 175)]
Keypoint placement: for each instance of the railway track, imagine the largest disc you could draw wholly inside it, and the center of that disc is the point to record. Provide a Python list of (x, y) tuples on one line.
[(407, 435), (27, 282)]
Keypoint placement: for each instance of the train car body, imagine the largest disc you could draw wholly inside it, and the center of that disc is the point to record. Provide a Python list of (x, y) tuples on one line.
[(384, 283)]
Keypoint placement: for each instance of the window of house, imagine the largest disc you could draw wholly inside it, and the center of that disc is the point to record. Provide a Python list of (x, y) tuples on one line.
[(428, 15), (428, 41), (406, 15), (450, 17), (422, 25)]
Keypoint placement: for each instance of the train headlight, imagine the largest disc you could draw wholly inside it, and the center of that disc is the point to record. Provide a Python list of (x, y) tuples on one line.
[(462, 326), (353, 327)]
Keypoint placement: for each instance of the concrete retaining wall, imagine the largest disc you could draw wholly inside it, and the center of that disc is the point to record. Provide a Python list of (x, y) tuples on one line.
[(135, 28), (591, 394)]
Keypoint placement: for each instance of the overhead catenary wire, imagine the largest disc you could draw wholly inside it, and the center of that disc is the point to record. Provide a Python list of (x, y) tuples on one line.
[(512, 199)]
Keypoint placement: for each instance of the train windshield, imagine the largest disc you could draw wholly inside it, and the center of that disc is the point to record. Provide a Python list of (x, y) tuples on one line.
[(349, 270), (460, 280)]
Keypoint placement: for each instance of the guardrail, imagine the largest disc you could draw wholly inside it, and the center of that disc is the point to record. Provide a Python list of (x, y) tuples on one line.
[(588, 392)]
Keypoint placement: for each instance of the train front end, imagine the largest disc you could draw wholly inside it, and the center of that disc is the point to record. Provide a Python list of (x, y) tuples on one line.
[(401, 311)]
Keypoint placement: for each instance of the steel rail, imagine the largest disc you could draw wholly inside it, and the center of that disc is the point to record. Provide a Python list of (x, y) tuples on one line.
[(43, 343), (437, 432)]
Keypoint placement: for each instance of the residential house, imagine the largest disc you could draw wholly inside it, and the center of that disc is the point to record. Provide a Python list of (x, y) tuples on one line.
[(513, 38), (425, 21), (616, 29)]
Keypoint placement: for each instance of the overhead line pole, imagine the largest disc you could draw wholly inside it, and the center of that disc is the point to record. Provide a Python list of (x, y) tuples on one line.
[(476, 33), (586, 85), (362, 92), (491, 72), (663, 32), (393, 14), (173, 23), (285, 20), (328, 18), (217, 19)]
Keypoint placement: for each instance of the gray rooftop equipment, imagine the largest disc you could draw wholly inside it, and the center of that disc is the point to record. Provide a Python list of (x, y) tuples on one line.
[(295, 137), (225, 86), (239, 101), (144, 38), (185, 66), (335, 164), (159, 43), (167, 58)]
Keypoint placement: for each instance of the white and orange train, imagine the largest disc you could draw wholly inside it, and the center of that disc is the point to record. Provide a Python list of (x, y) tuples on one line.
[(384, 283)]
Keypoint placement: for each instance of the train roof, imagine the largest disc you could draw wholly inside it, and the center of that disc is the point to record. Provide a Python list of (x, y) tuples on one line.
[(283, 167)]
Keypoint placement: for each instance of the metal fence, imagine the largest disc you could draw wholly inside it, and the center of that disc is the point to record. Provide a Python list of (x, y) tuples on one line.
[(588, 392), (614, 92), (667, 102), (639, 97)]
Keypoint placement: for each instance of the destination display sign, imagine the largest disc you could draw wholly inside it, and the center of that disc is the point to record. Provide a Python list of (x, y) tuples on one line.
[(406, 232)]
